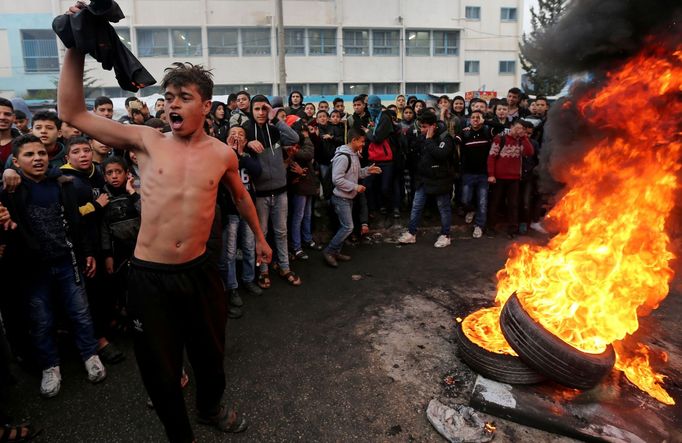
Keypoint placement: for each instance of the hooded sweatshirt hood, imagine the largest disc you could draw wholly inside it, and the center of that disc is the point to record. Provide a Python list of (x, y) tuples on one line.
[(374, 106)]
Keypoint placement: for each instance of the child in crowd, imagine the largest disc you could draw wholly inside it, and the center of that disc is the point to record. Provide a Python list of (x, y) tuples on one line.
[(59, 255)]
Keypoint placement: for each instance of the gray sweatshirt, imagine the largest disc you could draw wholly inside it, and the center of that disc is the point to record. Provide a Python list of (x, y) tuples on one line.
[(346, 182)]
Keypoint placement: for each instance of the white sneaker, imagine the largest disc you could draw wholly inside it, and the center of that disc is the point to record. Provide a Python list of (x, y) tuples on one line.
[(51, 382), (443, 241), (469, 217), (95, 368), (407, 238), (536, 226), (478, 232)]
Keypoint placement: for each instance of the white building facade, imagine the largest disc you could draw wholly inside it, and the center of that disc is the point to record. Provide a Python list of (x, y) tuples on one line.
[(332, 47)]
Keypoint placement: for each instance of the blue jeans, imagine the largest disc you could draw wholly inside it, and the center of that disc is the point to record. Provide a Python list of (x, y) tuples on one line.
[(479, 183), (237, 232), (344, 209), (274, 208), (443, 201), (301, 219), (58, 276), (382, 189)]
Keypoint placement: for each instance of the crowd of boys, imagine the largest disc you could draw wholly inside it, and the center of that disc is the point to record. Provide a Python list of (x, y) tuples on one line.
[(70, 205)]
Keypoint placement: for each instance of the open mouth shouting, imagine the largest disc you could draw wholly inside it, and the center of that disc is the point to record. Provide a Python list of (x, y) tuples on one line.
[(175, 121)]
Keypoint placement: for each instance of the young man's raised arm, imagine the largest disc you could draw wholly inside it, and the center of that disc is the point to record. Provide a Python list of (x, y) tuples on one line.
[(71, 107)]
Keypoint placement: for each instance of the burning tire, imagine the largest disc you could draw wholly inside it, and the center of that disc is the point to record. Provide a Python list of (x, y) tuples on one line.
[(501, 367), (548, 354)]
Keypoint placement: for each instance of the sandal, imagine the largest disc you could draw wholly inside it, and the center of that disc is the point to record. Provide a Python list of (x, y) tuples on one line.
[(291, 278), (227, 420), (264, 280), (16, 434)]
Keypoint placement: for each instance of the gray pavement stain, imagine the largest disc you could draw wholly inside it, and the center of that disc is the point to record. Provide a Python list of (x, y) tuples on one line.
[(338, 359)]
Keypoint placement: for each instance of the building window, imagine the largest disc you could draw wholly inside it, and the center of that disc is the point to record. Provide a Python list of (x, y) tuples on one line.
[(291, 87), (355, 88), (294, 41), (323, 89), (386, 43), (256, 41), (472, 12), (445, 42), (508, 14), (40, 51), (124, 36), (186, 42), (418, 43), (444, 88), (417, 88), (355, 42), (322, 41), (153, 43), (225, 89), (472, 67), (386, 88), (223, 42), (265, 89), (507, 67)]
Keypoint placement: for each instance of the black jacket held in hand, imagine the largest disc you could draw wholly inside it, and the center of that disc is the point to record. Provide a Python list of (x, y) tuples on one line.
[(89, 31)]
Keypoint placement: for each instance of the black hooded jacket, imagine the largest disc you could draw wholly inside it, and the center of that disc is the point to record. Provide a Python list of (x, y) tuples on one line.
[(89, 31)]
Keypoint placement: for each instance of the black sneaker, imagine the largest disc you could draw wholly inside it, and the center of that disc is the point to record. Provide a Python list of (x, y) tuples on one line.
[(234, 312), (252, 288), (312, 245), (235, 299)]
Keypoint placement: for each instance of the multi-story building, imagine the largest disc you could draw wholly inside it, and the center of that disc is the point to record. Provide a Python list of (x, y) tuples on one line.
[(343, 47)]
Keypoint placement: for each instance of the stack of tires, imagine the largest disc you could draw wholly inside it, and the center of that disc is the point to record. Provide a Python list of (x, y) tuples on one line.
[(541, 355)]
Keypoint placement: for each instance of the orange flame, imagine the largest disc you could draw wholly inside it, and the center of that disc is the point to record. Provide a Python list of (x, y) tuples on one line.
[(610, 262)]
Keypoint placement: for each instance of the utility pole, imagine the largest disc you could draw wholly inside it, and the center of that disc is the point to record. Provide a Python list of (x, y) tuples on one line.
[(279, 10)]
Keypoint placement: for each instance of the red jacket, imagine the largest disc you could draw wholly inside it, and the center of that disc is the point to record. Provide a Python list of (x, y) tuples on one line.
[(505, 163)]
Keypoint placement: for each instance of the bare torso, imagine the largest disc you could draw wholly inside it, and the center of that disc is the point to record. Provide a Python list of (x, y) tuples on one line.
[(178, 192)]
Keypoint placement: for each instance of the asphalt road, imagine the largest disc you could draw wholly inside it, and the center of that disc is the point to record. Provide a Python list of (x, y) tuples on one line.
[(338, 359)]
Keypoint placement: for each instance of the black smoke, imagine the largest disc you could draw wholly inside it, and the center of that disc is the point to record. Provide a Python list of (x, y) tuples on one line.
[(594, 37)]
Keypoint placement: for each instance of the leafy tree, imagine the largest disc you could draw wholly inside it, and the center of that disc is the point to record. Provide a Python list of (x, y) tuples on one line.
[(543, 78)]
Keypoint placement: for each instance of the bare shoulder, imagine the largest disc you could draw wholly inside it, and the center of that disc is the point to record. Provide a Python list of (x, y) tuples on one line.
[(153, 140)]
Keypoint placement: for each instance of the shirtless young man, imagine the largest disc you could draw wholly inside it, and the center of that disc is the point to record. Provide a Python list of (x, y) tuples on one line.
[(176, 297)]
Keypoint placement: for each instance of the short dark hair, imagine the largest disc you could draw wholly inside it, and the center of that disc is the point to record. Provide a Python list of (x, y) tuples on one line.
[(515, 90), (19, 114), (242, 93), (155, 123), (47, 116), (322, 111), (428, 118), (335, 112), (477, 112), (389, 107), (543, 98), (185, 74), (159, 113), (103, 100), (420, 101), (337, 100), (231, 98), (77, 140), (355, 134), (114, 160), (525, 123), (22, 140), (444, 97), (5, 102), (502, 102), (323, 101), (358, 98)]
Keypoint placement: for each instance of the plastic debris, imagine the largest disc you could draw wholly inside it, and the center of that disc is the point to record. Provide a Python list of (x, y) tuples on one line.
[(460, 424)]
